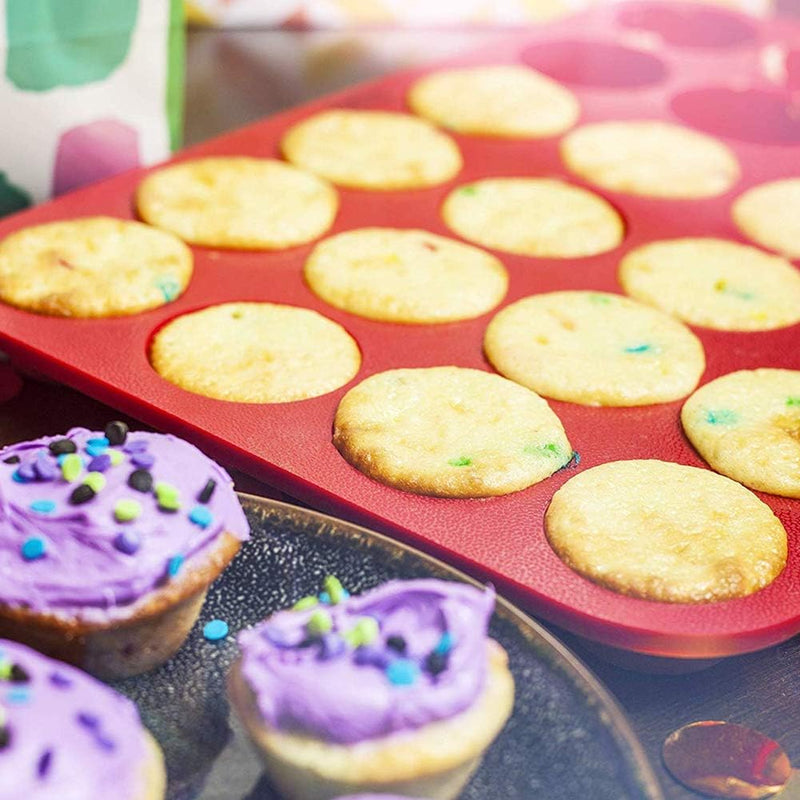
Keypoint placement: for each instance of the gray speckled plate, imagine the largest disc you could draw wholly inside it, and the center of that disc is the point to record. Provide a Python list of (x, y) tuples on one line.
[(567, 738)]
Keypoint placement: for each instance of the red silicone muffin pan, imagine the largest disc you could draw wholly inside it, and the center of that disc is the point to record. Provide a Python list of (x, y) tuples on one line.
[(699, 66)]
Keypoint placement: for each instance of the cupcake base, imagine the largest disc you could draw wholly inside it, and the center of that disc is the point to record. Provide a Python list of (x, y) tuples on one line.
[(434, 762), (154, 783), (147, 635)]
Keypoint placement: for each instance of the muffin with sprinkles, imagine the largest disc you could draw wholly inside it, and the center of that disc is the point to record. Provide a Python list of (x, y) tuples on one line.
[(398, 691), (65, 735), (108, 543)]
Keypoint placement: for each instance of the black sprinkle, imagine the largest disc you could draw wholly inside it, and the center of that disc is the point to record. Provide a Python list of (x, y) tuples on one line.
[(61, 446), (436, 663), (43, 767), (81, 494), (207, 491), (5, 737), (18, 674), (11, 460), (116, 432), (396, 643), (141, 480)]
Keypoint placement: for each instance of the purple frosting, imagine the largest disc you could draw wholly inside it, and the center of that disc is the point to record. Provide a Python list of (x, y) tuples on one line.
[(65, 734), (86, 567), (428, 661)]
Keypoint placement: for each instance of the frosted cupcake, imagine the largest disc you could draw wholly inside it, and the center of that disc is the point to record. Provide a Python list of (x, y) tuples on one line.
[(108, 543), (397, 691), (66, 736)]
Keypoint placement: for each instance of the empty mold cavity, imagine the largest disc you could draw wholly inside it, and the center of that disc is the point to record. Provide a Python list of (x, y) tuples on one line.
[(687, 25), (749, 115), (596, 64)]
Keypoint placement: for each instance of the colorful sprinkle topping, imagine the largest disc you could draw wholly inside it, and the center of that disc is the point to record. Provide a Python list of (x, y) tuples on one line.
[(461, 461), (168, 287), (722, 416), (639, 348), (599, 299), (793, 401), (43, 506), (127, 510), (71, 467), (445, 644), (174, 565), (167, 496), (82, 494), (127, 542), (33, 548), (205, 493), (318, 623), (116, 457), (116, 432), (402, 672), (215, 630), (551, 450), (305, 602), (62, 447), (145, 460), (397, 643), (333, 587), (468, 190), (201, 516), (101, 463), (141, 480), (96, 480), (11, 460)]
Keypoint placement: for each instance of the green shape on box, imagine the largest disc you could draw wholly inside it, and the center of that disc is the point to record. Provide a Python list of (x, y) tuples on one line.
[(55, 43), (12, 198)]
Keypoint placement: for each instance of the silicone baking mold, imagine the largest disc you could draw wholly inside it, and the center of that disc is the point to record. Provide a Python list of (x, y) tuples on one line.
[(699, 66)]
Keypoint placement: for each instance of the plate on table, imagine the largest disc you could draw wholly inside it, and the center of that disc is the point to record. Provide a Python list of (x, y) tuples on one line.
[(567, 737)]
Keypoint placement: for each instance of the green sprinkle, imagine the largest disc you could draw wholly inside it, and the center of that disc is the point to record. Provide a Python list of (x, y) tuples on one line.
[(167, 497), (71, 467), (116, 457), (333, 586), (5, 669), (126, 510), (461, 461), (168, 287), (638, 348), (305, 602), (600, 299), (366, 630), (793, 401), (318, 623), (550, 450), (722, 417), (96, 480), (468, 190), (722, 286)]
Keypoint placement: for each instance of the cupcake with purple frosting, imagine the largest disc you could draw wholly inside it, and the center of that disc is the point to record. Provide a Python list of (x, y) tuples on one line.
[(396, 691), (108, 543), (66, 736)]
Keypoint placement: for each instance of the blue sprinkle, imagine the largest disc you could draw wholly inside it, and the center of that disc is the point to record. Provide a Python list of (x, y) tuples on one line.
[(402, 672), (60, 459), (96, 449), (98, 441), (18, 695), (101, 463), (215, 630), (169, 288), (325, 598), (42, 506), (345, 594), (445, 644), (201, 516), (722, 417), (174, 565), (33, 548), (639, 348), (18, 477), (143, 459)]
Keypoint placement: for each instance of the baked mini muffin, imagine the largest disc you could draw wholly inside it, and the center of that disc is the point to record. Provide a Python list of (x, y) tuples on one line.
[(449, 432), (379, 150), (746, 425), (108, 542), (540, 217), (505, 100), (238, 202), (395, 691), (64, 734), (650, 158), (92, 267), (715, 283), (594, 348), (667, 532)]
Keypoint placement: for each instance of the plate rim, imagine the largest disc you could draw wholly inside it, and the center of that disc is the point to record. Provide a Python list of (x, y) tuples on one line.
[(614, 718)]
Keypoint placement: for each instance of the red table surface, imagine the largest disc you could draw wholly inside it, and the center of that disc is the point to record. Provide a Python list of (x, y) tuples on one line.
[(500, 539)]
